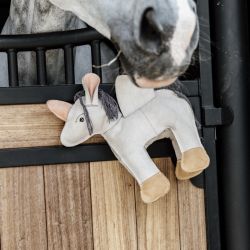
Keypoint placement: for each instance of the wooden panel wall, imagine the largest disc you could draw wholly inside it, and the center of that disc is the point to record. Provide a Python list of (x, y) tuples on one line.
[(96, 206), (87, 206)]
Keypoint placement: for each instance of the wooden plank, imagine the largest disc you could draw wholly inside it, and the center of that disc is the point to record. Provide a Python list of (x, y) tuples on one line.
[(68, 206), (158, 223), (22, 209), (30, 126), (113, 206), (192, 216)]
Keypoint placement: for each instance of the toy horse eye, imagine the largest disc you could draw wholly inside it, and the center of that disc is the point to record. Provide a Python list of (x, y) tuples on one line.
[(81, 119)]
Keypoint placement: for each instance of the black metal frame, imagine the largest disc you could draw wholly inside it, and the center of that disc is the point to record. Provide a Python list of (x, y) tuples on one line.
[(40, 94), (209, 134), (200, 93), (12, 44), (230, 31), (84, 153)]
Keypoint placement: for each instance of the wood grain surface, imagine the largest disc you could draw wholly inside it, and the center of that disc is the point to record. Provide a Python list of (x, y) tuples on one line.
[(113, 204), (96, 206), (68, 206), (158, 223), (31, 126), (192, 217), (22, 209)]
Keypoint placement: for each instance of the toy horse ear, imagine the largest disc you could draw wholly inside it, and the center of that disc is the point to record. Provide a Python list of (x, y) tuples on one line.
[(91, 84), (59, 108)]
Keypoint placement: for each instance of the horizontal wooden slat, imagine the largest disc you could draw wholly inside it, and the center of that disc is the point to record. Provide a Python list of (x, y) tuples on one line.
[(31, 126)]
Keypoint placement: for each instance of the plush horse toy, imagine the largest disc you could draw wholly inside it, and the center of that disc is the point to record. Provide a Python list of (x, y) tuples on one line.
[(164, 115)]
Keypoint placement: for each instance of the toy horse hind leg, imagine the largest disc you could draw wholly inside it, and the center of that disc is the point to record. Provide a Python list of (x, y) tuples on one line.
[(193, 158), (179, 172)]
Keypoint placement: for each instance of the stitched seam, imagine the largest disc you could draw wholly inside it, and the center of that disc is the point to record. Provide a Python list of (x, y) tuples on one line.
[(151, 125)]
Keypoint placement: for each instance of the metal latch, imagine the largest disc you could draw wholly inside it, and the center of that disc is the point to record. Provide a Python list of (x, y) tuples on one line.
[(212, 116)]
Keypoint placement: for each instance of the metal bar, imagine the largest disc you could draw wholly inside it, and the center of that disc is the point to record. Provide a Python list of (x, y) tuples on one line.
[(69, 65), (197, 181), (206, 93), (41, 66), (38, 94), (49, 40), (83, 153), (231, 68), (12, 68), (96, 57)]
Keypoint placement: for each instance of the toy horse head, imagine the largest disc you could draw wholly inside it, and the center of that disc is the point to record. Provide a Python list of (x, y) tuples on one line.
[(93, 112)]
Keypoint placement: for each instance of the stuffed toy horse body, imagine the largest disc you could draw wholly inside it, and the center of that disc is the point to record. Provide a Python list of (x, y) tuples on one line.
[(164, 115)]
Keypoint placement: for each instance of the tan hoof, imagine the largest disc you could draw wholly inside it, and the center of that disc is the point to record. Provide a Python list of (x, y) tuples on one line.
[(154, 188), (182, 175), (195, 159)]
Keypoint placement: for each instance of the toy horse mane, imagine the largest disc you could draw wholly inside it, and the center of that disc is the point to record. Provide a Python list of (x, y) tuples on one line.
[(110, 106)]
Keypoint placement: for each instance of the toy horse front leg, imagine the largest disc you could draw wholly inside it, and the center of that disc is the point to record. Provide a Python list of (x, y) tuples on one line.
[(194, 158), (153, 184)]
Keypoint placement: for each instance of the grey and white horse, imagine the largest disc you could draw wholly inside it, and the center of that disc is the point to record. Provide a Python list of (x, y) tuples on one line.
[(37, 16), (157, 37)]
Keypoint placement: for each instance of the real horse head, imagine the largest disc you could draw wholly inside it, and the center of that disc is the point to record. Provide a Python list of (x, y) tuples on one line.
[(157, 37)]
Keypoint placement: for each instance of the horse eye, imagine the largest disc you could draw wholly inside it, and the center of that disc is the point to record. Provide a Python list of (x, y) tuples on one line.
[(81, 119)]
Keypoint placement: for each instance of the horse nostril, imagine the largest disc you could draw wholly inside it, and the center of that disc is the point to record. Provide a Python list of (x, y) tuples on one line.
[(151, 30)]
